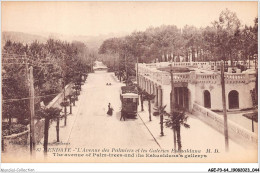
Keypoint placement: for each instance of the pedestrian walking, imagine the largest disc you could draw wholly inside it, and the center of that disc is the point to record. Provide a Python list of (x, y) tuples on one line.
[(122, 116), (110, 109)]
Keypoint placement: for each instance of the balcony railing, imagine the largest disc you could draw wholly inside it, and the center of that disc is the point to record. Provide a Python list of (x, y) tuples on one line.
[(164, 78)]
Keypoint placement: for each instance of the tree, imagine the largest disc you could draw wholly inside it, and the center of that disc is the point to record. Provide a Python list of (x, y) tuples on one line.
[(48, 114), (227, 27), (175, 121), (248, 41), (162, 112), (220, 41), (141, 93), (209, 40), (49, 72), (192, 36), (149, 97), (253, 116), (14, 83), (64, 104)]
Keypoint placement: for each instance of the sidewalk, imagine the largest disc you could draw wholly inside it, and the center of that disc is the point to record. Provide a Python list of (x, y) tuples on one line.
[(237, 117), (65, 131), (198, 137)]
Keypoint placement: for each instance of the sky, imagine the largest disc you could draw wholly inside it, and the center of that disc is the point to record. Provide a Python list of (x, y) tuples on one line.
[(97, 18)]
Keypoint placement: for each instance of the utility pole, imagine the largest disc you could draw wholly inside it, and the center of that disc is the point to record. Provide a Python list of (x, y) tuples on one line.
[(30, 83), (137, 76), (32, 136), (224, 106), (173, 106), (126, 71)]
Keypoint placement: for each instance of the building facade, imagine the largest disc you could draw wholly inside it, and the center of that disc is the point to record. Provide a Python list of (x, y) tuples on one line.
[(201, 85)]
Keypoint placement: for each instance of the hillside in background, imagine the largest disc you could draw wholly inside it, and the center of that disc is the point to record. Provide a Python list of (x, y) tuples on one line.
[(92, 42), (21, 37)]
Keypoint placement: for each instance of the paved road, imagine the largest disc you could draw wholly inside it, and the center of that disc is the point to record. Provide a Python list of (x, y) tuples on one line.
[(93, 128)]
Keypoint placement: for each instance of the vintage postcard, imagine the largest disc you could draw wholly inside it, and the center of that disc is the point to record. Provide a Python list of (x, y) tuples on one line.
[(129, 82)]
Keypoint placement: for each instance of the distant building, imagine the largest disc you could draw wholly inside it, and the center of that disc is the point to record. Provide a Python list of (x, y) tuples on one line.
[(99, 66)]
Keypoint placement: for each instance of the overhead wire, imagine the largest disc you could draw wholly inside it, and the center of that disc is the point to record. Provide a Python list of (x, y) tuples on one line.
[(26, 98), (29, 62)]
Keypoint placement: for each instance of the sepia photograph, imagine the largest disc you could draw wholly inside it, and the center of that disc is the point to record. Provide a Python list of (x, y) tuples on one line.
[(129, 82)]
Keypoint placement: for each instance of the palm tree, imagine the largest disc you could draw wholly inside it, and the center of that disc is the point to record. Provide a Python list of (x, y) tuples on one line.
[(149, 97), (141, 93), (253, 116), (77, 88), (64, 104), (161, 111), (69, 97), (175, 121), (48, 114)]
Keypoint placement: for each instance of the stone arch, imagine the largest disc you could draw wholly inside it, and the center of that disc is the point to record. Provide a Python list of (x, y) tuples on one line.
[(233, 99), (207, 99)]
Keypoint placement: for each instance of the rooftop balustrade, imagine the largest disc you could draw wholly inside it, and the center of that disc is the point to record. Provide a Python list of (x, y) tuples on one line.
[(232, 78), (164, 78), (204, 65), (207, 78)]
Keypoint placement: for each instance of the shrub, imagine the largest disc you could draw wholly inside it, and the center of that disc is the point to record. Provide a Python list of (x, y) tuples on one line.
[(15, 129)]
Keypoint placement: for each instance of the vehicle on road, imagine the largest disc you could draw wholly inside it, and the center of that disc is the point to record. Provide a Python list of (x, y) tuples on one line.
[(129, 100)]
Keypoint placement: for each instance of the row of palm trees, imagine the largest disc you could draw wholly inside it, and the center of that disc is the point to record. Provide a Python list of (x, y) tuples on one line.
[(50, 114), (174, 120)]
